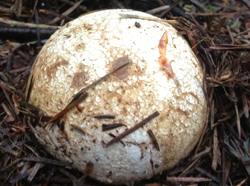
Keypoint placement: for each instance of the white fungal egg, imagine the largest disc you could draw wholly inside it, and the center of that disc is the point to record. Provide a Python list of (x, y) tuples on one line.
[(100, 42)]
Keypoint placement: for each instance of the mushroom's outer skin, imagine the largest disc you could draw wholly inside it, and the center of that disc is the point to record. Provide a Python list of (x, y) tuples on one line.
[(84, 50)]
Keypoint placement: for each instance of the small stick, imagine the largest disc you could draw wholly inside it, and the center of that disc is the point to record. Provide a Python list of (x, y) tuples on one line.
[(104, 117), (152, 136), (106, 127), (78, 129), (127, 132)]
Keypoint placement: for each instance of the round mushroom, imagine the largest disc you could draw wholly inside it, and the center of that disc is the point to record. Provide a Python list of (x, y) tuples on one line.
[(142, 119)]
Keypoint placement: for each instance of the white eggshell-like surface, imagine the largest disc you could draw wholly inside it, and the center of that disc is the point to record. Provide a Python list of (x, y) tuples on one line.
[(84, 50)]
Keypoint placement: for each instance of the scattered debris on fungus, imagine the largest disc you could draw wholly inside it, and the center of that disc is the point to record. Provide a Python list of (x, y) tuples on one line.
[(82, 94), (132, 129)]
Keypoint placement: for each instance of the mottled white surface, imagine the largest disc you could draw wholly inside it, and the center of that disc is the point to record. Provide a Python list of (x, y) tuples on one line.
[(83, 51)]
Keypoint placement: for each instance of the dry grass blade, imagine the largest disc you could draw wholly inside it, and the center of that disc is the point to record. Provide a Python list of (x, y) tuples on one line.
[(67, 11), (45, 160), (204, 172), (34, 170), (245, 105), (215, 149), (242, 182), (226, 171), (203, 153), (19, 177), (188, 179), (157, 10), (5, 150), (9, 166), (192, 164), (75, 181), (240, 48)]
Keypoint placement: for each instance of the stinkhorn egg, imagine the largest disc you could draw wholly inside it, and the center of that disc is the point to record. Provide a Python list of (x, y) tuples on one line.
[(163, 77)]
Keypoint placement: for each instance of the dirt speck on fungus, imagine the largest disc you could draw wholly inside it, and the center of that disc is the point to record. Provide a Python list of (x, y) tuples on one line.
[(122, 73), (79, 79)]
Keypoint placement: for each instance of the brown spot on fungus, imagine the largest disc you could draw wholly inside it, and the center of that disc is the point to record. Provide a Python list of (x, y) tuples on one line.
[(51, 71), (122, 73), (79, 79)]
